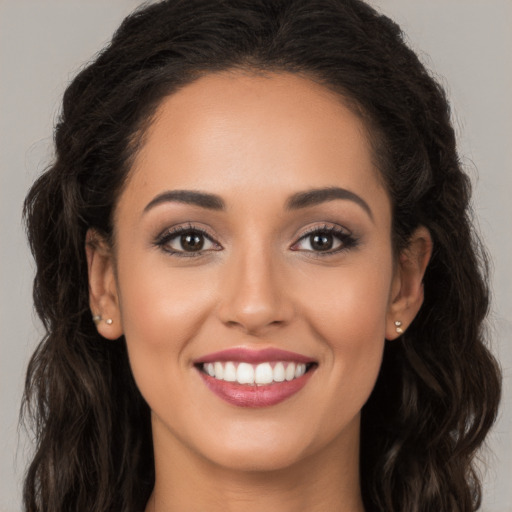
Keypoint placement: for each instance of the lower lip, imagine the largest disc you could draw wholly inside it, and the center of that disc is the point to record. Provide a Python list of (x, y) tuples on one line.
[(244, 395)]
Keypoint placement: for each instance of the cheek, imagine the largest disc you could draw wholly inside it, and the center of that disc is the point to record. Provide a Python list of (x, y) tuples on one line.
[(161, 312), (159, 306), (348, 306), (348, 311)]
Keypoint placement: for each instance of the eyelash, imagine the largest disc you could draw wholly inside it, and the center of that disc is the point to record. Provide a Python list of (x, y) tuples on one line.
[(169, 235), (346, 239)]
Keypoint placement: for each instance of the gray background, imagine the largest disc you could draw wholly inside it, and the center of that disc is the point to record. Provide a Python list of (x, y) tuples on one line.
[(467, 43)]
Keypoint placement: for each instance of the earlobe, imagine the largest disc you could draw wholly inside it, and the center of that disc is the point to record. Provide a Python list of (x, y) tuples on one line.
[(407, 288), (103, 295)]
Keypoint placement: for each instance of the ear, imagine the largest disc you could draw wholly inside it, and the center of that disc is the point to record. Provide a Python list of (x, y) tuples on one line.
[(103, 294), (407, 288)]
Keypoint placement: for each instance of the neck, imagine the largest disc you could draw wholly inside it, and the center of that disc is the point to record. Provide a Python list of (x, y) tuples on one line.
[(327, 480)]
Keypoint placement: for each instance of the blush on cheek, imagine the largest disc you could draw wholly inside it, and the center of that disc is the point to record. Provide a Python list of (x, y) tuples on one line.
[(158, 311), (352, 328)]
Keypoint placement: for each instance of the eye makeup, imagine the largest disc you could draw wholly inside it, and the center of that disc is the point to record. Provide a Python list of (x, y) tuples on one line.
[(193, 241), (186, 241), (325, 240)]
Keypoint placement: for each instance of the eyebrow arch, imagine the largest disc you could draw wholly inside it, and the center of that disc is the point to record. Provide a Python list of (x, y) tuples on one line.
[(321, 195), (202, 199)]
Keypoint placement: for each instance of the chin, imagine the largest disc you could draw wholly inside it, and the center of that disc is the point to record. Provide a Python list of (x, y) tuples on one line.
[(271, 448), (260, 460)]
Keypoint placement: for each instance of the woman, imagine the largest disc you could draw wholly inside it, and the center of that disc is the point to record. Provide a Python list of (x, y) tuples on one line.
[(257, 273)]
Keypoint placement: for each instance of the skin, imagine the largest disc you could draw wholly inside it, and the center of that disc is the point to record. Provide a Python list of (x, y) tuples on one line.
[(255, 141)]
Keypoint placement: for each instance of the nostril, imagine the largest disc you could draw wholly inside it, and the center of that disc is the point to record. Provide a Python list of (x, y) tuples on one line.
[(254, 325)]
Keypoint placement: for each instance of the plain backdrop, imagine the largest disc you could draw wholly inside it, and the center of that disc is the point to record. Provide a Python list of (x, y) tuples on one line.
[(466, 43)]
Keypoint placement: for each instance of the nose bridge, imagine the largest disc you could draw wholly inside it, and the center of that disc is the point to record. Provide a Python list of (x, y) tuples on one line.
[(252, 297)]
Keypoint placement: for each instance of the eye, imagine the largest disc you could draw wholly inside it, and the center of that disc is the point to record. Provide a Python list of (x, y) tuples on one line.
[(186, 241), (327, 239)]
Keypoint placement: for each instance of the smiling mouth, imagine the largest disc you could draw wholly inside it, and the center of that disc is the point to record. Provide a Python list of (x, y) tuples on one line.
[(245, 377), (262, 374)]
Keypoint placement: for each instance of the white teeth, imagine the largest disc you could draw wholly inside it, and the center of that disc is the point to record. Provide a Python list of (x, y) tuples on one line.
[(260, 374), (219, 370), (229, 372), (300, 370), (245, 374), (290, 371), (263, 374), (279, 375)]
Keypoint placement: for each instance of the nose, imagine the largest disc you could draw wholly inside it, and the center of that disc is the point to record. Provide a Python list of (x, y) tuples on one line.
[(254, 294)]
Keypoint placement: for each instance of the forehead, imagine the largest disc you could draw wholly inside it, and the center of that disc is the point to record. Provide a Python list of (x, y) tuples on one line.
[(245, 131)]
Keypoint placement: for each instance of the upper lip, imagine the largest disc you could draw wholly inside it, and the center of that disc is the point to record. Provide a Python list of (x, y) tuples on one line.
[(242, 354)]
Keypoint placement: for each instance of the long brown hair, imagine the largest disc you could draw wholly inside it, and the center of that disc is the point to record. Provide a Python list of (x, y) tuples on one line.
[(439, 386)]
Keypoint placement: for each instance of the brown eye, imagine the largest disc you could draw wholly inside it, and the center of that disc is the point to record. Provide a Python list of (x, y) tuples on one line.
[(187, 241), (321, 242), (328, 240), (192, 241)]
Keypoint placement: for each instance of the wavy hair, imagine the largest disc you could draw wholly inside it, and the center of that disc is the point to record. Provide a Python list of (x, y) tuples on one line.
[(438, 389)]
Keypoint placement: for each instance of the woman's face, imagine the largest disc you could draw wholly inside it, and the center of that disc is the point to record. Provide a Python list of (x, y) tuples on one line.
[(254, 221)]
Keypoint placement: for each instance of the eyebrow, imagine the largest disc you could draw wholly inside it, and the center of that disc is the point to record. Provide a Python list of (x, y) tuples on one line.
[(321, 195), (297, 201), (202, 199)]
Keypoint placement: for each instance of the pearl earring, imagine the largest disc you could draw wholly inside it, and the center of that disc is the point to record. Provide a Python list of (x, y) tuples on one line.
[(97, 319), (398, 326)]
